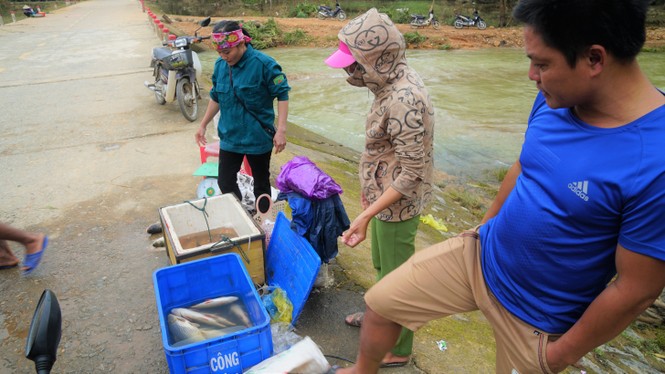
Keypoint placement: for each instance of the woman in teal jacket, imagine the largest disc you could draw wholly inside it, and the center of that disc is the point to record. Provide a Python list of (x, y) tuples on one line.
[(245, 83)]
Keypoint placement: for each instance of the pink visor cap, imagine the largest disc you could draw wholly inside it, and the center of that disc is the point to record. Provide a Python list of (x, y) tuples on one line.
[(341, 58)]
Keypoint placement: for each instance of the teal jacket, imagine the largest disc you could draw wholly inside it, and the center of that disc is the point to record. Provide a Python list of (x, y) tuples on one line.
[(257, 81)]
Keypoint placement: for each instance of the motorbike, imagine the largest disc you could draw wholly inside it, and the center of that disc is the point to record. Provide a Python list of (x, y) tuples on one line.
[(328, 12), (177, 71), (45, 332), (461, 21), (418, 20), (29, 12)]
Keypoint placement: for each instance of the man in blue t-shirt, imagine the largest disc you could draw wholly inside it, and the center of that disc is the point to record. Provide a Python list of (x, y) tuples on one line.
[(572, 250)]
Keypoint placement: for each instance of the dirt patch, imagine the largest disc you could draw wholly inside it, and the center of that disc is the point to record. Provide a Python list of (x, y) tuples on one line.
[(323, 33)]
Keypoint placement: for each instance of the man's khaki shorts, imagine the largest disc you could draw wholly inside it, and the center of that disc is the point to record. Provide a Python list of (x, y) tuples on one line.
[(447, 279)]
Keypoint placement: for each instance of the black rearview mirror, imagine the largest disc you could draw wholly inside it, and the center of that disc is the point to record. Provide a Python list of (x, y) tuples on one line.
[(45, 331)]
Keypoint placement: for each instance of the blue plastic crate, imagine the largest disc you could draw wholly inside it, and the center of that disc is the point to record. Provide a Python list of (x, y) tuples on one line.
[(291, 264), (196, 281)]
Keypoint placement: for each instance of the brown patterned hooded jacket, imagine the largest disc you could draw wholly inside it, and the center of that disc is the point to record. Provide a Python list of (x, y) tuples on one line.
[(400, 125)]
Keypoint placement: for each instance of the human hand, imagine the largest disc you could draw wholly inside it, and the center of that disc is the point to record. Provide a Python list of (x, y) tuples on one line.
[(356, 233), (553, 359), (279, 141), (352, 239), (200, 136)]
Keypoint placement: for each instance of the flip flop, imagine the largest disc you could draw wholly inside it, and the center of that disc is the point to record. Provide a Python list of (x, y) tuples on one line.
[(355, 319), (5, 267), (394, 364), (332, 370), (32, 260)]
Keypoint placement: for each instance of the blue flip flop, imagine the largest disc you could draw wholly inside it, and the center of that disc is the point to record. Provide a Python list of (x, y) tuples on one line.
[(394, 364), (32, 260)]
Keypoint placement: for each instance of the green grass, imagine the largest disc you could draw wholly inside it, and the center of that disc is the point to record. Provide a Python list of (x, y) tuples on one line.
[(264, 35), (468, 200), (499, 173), (659, 49), (6, 7), (414, 38), (303, 10), (399, 11), (296, 37)]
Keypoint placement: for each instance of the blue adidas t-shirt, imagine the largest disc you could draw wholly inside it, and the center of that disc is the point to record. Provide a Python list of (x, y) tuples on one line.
[(583, 189)]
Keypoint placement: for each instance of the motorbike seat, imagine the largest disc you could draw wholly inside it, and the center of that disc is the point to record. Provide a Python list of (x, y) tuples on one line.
[(417, 16), (323, 7)]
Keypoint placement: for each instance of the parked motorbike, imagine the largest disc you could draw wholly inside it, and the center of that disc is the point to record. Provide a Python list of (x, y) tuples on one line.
[(44, 334), (418, 20), (328, 12), (177, 70), (29, 12), (461, 21)]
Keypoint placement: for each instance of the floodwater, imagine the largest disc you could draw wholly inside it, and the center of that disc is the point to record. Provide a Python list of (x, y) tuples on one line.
[(482, 100)]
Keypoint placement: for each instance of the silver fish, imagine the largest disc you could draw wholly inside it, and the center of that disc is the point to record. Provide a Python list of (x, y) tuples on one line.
[(239, 312), (218, 301), (199, 317), (182, 329)]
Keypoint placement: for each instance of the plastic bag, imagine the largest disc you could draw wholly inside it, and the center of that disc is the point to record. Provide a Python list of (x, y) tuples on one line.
[(303, 357), (246, 186), (283, 336), (437, 223), (278, 305), (303, 176)]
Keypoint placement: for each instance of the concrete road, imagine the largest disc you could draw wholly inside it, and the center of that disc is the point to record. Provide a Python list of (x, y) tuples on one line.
[(76, 122), (88, 157)]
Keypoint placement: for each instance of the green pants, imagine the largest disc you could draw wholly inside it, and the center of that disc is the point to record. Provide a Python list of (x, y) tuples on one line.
[(392, 244)]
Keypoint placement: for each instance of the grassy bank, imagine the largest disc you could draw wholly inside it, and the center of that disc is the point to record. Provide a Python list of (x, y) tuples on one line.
[(7, 7), (492, 11)]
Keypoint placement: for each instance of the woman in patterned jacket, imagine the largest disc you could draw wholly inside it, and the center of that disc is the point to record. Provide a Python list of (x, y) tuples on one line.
[(397, 163)]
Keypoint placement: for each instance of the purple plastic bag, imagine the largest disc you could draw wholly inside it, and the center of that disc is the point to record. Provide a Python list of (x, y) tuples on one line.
[(303, 176)]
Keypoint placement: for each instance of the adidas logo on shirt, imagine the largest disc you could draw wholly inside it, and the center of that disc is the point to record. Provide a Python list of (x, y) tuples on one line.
[(581, 189)]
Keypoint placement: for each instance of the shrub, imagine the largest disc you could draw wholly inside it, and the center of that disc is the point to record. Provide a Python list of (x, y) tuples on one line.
[(401, 15), (414, 38), (297, 37), (303, 10), (265, 35)]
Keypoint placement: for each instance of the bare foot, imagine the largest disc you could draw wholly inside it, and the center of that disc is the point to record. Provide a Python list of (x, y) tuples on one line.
[(390, 358), (35, 244), (34, 251), (8, 262), (7, 257)]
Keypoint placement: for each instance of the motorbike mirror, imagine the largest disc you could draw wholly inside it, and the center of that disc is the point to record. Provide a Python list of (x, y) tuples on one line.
[(45, 331), (203, 23)]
